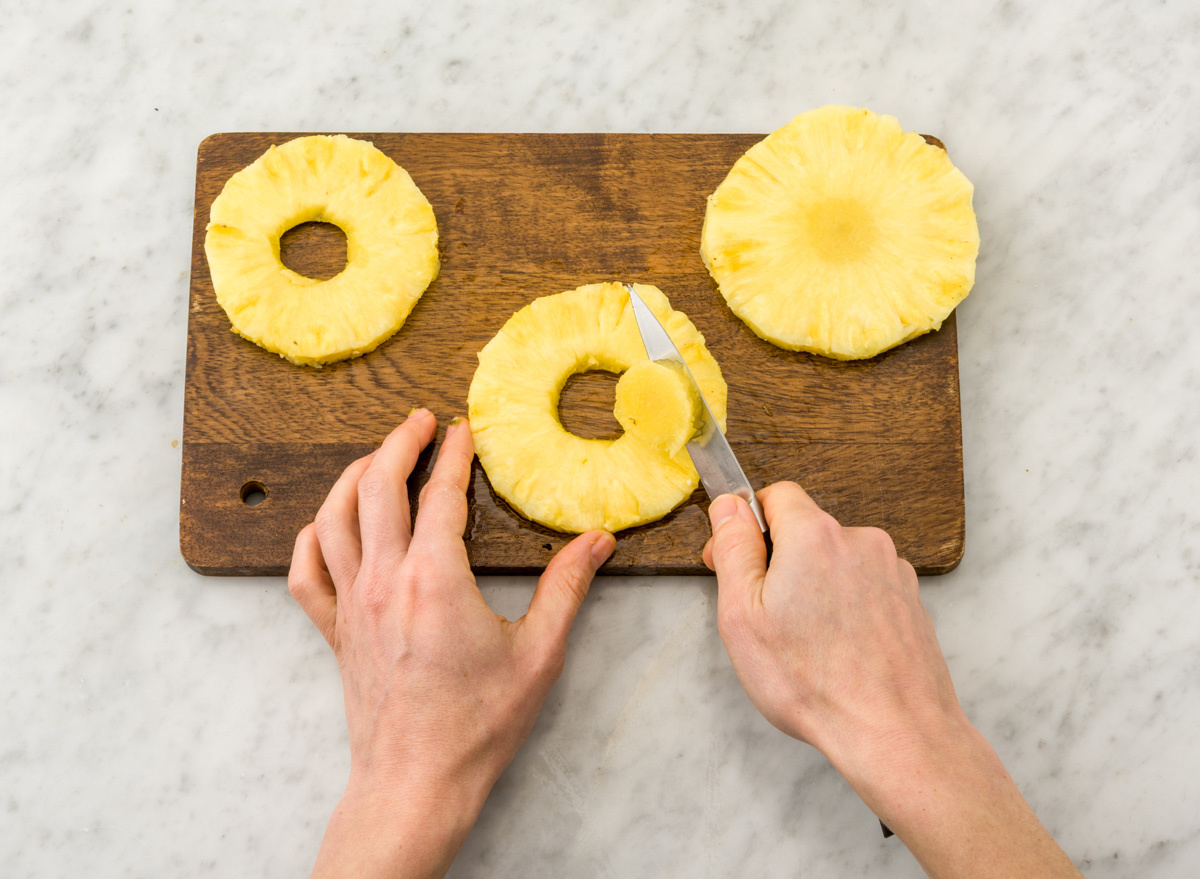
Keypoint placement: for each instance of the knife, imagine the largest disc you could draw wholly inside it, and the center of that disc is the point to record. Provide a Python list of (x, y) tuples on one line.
[(719, 470)]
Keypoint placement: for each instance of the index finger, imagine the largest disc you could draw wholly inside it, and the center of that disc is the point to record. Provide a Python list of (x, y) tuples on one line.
[(442, 514), (802, 532), (383, 515), (784, 500)]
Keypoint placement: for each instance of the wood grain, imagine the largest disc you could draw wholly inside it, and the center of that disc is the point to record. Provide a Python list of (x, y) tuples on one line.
[(875, 442)]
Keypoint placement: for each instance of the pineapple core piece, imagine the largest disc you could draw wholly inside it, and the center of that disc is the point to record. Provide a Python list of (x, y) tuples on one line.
[(391, 249), (554, 477), (658, 404), (841, 235)]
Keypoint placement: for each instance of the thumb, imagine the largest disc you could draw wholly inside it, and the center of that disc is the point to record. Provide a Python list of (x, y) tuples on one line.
[(564, 585), (739, 554)]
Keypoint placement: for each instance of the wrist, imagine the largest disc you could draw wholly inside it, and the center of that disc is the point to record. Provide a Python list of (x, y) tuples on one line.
[(897, 761), (918, 770), (399, 828), (942, 789)]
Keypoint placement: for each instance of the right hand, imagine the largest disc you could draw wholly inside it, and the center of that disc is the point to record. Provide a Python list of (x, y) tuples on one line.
[(833, 647), (831, 643)]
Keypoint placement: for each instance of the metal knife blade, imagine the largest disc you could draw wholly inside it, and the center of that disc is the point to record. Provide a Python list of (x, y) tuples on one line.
[(719, 470)]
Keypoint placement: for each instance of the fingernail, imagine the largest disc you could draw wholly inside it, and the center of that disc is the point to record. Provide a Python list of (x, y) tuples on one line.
[(602, 548), (746, 513), (455, 421), (418, 414), (722, 510)]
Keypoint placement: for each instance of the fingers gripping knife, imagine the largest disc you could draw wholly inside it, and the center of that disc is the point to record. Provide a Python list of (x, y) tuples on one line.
[(719, 470)]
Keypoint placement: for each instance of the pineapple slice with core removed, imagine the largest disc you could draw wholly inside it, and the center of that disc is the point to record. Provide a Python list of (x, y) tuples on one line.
[(840, 234), (659, 404), (391, 248), (562, 480)]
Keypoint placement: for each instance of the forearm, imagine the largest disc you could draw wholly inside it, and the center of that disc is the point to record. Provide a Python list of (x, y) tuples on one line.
[(397, 831), (945, 793)]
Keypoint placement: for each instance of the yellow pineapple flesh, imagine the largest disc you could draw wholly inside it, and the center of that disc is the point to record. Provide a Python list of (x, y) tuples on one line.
[(659, 405), (391, 249), (554, 477), (842, 235)]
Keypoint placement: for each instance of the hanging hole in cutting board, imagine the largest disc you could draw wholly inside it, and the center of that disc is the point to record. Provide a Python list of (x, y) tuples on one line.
[(315, 250), (585, 406), (253, 493)]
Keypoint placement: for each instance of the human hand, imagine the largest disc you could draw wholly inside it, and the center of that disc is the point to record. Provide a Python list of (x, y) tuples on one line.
[(440, 692), (832, 645)]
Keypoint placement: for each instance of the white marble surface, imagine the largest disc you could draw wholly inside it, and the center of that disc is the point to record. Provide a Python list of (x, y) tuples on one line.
[(154, 722)]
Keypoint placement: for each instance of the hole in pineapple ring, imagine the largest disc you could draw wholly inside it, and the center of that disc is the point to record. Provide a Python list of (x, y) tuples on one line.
[(314, 250), (253, 493), (586, 403)]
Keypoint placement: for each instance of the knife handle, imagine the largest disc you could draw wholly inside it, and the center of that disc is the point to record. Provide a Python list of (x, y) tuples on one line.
[(757, 510)]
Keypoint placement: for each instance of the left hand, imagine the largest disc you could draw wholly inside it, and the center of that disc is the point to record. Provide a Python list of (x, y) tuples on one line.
[(440, 692)]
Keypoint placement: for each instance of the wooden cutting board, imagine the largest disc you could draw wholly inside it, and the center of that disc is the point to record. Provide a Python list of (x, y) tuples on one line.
[(876, 442)]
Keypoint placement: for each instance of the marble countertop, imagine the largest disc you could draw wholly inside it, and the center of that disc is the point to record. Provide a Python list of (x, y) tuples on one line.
[(154, 722)]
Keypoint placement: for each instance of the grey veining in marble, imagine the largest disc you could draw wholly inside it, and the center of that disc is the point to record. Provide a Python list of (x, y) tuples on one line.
[(153, 722)]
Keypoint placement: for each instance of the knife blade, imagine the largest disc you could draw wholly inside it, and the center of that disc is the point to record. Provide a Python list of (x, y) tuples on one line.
[(719, 470)]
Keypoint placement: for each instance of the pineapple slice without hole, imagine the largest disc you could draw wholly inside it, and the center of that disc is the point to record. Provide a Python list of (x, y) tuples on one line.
[(391, 248), (842, 235), (554, 477)]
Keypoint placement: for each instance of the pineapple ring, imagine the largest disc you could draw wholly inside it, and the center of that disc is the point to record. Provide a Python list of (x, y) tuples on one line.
[(841, 235), (391, 249), (564, 481)]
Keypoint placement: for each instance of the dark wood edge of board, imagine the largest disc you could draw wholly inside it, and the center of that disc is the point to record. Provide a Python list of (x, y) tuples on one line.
[(956, 549), (212, 140), (215, 477), (692, 571)]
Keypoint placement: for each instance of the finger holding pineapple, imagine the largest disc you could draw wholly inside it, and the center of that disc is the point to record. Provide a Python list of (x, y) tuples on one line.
[(440, 692)]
